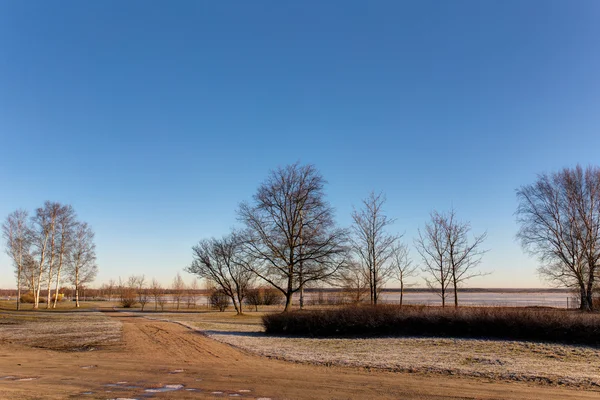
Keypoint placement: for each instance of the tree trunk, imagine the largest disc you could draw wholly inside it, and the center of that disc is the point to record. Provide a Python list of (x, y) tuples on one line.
[(443, 297), (36, 301), (401, 292), (76, 287), (19, 290), (288, 302), (235, 305), (455, 291), (57, 287), (49, 286), (583, 302)]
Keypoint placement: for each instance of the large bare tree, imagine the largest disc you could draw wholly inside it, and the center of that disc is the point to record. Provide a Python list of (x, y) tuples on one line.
[(559, 217), (223, 262), (290, 231), (16, 232), (372, 243), (81, 261)]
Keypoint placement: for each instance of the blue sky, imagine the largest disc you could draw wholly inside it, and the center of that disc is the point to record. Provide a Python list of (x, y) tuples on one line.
[(155, 119)]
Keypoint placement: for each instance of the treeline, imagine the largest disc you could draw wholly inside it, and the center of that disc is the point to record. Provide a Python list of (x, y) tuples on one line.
[(139, 291), (48, 247), (288, 239)]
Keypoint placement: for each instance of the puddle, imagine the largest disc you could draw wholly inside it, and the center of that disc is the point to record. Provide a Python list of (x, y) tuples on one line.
[(88, 366), (244, 390), (87, 393), (177, 371), (217, 392), (123, 398), (26, 379), (166, 388), (122, 385), (192, 390), (7, 377), (235, 395)]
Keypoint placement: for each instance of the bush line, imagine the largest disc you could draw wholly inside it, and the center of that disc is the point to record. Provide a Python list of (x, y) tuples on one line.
[(547, 325)]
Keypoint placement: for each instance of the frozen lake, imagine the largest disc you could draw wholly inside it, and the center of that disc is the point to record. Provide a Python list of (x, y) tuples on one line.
[(473, 298)]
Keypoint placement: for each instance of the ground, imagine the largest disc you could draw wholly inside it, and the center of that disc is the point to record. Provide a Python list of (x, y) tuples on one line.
[(153, 353)]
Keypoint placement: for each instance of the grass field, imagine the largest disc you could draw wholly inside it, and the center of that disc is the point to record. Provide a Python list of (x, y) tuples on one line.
[(546, 363)]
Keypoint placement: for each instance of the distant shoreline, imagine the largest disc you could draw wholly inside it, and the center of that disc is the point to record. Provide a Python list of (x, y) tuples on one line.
[(461, 290)]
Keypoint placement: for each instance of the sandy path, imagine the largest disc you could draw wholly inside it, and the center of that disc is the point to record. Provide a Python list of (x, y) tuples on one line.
[(152, 350)]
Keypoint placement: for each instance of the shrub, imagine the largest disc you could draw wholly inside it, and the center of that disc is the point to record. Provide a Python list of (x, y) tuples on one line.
[(30, 298), (263, 297), (127, 297), (61, 297), (219, 300), (562, 326)]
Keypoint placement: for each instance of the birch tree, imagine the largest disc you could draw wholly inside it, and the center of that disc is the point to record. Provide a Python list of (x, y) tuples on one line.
[(81, 263), (42, 228), (372, 243), (17, 236), (53, 211), (290, 231), (66, 229)]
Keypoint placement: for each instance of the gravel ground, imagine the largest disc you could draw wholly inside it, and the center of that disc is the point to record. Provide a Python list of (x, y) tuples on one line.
[(553, 364), (60, 331)]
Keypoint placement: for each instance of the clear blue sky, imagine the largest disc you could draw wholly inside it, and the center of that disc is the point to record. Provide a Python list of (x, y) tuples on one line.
[(155, 119)]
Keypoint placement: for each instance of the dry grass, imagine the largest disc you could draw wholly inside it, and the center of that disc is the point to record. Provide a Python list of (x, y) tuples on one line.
[(73, 331), (556, 364)]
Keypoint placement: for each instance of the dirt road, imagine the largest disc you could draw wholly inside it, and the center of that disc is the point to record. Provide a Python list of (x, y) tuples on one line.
[(154, 354)]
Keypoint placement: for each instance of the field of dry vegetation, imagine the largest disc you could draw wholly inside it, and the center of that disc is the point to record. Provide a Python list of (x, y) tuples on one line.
[(545, 363), (542, 364), (65, 331)]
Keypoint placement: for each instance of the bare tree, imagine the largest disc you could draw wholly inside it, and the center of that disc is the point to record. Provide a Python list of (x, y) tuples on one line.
[(110, 288), (16, 232), (403, 267), (66, 230), (432, 246), (53, 211), (449, 257), (372, 243), (354, 280), (139, 282), (223, 262), (193, 294), (42, 229), (178, 287), (81, 261), (463, 255), (291, 232), (559, 217), (157, 292)]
